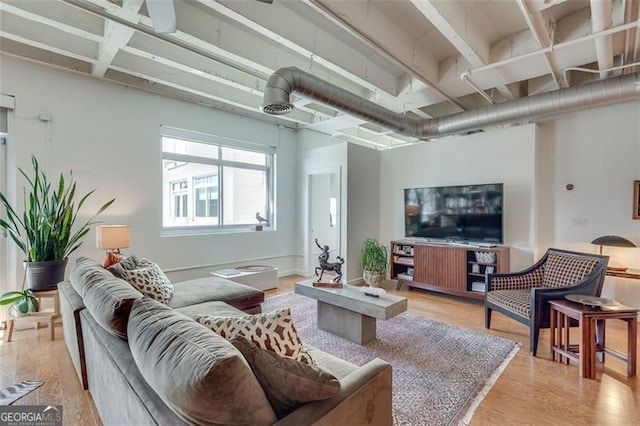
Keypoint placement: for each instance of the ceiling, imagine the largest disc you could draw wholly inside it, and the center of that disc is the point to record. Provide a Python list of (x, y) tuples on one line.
[(427, 58)]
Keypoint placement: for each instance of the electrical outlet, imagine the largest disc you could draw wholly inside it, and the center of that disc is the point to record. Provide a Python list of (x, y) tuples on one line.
[(580, 222)]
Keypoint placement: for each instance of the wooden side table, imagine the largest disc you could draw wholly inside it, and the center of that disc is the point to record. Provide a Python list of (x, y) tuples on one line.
[(48, 315), (592, 321)]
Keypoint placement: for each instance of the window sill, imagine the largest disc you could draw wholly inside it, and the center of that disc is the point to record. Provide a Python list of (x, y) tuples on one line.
[(194, 231)]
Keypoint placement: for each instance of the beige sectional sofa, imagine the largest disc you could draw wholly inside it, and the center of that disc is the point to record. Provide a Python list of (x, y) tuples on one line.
[(148, 363)]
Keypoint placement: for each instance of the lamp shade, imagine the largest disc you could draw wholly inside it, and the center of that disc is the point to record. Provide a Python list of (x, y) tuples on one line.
[(109, 237), (613, 241)]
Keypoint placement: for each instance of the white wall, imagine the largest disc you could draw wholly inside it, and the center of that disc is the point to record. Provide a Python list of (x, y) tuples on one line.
[(109, 136), (364, 189), (503, 155), (598, 151)]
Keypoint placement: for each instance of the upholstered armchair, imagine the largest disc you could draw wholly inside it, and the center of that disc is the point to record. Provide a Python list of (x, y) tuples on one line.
[(524, 295)]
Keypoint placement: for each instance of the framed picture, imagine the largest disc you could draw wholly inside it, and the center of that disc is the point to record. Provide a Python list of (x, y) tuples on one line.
[(636, 200), (489, 270)]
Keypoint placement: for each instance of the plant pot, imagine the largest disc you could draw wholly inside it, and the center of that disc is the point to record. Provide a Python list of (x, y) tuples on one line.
[(44, 276), (15, 312), (373, 278)]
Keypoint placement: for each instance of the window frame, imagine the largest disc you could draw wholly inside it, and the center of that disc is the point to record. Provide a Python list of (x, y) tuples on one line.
[(220, 142)]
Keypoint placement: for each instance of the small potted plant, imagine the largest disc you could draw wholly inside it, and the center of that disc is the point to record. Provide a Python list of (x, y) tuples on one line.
[(375, 259), (45, 231), (21, 302)]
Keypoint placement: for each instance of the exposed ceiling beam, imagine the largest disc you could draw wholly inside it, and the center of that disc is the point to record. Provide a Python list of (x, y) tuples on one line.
[(116, 36), (287, 43), (44, 46), (35, 11), (539, 27), (450, 19), (423, 67), (485, 78), (302, 118)]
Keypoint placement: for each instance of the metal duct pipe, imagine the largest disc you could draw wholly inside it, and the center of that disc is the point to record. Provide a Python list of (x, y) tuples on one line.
[(286, 81)]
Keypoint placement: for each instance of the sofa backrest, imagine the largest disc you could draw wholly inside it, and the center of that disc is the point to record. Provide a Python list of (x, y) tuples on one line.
[(107, 298), (565, 269), (200, 375), (86, 270)]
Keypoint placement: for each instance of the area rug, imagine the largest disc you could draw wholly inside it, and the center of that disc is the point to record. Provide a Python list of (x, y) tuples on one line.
[(12, 393), (440, 372)]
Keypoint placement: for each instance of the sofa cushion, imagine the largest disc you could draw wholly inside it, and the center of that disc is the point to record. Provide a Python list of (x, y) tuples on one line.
[(146, 276), (109, 299), (207, 289), (287, 383), (211, 308), (86, 270), (200, 375), (273, 331), (337, 366), (563, 269)]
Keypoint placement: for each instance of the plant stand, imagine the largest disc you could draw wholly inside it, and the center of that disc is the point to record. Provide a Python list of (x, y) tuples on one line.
[(44, 315)]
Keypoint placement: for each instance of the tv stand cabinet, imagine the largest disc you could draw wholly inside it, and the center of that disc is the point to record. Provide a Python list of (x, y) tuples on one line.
[(446, 268)]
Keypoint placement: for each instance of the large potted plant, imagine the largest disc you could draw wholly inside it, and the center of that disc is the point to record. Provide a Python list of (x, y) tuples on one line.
[(46, 231), (375, 259)]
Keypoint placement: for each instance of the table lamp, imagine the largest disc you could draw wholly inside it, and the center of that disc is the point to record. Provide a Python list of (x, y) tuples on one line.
[(613, 241), (112, 238)]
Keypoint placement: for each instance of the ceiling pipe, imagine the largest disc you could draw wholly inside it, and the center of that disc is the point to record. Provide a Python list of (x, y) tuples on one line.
[(589, 70), (600, 21), (286, 81), (465, 76)]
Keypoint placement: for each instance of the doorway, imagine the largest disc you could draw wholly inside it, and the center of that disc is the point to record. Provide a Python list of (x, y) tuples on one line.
[(325, 218)]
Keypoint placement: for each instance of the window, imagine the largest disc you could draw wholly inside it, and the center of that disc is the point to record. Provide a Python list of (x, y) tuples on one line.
[(180, 198), (213, 183)]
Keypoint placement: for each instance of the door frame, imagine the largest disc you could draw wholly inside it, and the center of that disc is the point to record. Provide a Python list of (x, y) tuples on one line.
[(310, 263)]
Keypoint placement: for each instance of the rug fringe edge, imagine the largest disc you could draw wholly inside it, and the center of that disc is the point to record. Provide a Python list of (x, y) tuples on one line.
[(488, 386)]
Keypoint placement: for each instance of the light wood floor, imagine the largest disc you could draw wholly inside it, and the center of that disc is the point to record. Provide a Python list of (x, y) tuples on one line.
[(531, 391)]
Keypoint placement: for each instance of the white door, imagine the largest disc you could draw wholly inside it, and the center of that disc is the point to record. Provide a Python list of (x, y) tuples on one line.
[(324, 216)]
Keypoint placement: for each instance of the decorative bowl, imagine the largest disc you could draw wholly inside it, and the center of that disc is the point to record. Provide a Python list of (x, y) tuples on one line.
[(485, 257)]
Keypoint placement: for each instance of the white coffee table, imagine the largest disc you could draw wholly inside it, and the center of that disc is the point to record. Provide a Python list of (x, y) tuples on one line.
[(262, 280), (349, 313)]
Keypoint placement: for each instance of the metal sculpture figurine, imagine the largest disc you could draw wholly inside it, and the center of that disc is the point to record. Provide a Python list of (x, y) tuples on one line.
[(325, 265)]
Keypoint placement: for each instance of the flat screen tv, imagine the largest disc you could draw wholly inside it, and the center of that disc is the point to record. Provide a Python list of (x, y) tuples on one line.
[(463, 213)]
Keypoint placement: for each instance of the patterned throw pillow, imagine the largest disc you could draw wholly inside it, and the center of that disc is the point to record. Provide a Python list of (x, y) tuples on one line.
[(274, 331), (287, 383), (146, 276)]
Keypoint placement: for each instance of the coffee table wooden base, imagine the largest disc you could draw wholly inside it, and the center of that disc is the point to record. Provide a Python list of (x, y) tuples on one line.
[(353, 326)]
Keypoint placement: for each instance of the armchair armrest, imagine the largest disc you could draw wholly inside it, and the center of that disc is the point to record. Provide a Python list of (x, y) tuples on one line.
[(364, 398), (590, 285), (529, 278)]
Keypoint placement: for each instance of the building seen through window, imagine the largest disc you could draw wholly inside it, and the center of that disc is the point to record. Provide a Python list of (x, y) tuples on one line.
[(209, 185)]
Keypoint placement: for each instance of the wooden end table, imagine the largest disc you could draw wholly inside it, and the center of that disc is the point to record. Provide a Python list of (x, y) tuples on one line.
[(44, 315), (592, 321)]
